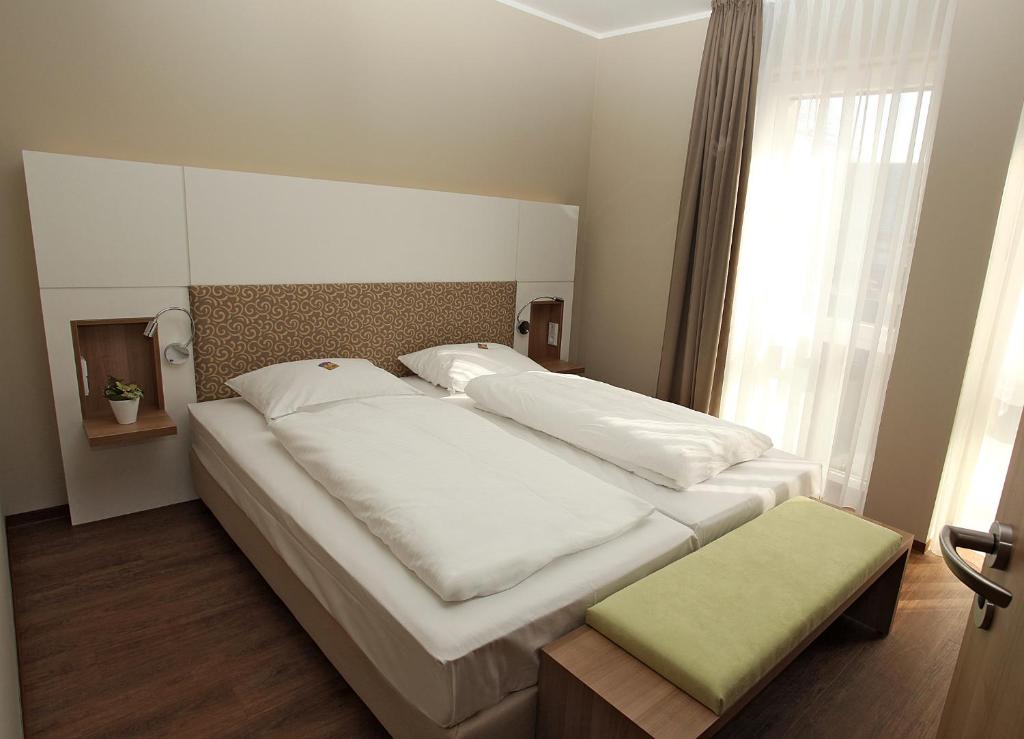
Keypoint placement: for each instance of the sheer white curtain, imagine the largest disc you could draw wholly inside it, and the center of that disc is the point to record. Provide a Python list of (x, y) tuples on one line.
[(846, 108), (992, 396)]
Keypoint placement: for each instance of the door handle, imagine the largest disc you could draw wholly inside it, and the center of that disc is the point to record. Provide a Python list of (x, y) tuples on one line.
[(998, 545)]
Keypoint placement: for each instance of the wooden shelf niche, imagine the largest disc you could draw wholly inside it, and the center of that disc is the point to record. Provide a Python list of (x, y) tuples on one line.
[(116, 346), (545, 315)]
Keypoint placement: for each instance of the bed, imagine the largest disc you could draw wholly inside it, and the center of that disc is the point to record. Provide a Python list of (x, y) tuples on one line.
[(453, 666), (425, 667)]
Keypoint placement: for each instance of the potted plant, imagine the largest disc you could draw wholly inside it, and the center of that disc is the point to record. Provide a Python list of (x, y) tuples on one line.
[(124, 399)]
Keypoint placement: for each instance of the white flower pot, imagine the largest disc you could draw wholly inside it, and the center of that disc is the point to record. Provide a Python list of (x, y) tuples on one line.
[(125, 411)]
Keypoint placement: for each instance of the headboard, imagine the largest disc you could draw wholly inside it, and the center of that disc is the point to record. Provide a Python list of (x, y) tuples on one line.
[(239, 328), (277, 260)]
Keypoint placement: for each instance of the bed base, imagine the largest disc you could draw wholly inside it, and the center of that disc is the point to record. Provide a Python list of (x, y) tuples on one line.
[(512, 718)]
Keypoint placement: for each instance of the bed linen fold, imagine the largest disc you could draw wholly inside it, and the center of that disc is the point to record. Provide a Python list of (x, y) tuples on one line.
[(463, 505), (662, 442)]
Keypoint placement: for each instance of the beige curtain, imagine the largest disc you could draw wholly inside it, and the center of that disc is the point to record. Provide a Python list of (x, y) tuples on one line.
[(847, 103), (711, 209)]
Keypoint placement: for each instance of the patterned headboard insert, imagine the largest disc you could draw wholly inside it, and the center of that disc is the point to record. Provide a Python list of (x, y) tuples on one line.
[(244, 327)]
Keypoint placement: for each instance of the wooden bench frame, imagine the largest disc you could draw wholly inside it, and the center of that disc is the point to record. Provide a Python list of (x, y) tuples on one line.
[(590, 687)]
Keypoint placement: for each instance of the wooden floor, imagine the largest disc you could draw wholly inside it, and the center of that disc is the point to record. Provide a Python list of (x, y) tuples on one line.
[(850, 683), (156, 625)]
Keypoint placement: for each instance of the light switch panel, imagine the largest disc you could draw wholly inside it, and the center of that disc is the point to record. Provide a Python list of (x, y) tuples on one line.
[(553, 333)]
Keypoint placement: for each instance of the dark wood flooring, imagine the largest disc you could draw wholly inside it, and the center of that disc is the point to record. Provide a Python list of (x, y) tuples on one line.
[(155, 624), (850, 683)]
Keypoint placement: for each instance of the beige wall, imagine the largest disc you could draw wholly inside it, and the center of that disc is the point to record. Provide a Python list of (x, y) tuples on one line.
[(643, 103), (457, 95), (980, 109)]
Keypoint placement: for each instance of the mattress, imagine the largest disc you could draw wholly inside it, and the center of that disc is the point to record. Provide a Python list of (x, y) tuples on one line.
[(450, 660), (711, 508)]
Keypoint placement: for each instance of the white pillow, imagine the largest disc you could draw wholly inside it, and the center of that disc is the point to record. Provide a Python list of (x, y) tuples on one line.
[(454, 365), (288, 387)]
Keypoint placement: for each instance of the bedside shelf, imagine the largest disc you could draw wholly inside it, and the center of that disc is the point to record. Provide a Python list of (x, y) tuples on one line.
[(117, 347), (153, 422)]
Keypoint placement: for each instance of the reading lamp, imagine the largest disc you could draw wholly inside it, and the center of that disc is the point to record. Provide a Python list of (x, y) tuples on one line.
[(174, 353), (524, 326)]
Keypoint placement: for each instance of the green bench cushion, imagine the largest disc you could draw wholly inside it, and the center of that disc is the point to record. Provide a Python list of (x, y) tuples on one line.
[(718, 620)]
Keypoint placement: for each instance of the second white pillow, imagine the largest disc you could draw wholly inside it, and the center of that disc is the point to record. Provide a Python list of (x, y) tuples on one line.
[(453, 365)]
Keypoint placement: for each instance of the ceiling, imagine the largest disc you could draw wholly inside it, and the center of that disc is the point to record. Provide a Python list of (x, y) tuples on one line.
[(603, 18)]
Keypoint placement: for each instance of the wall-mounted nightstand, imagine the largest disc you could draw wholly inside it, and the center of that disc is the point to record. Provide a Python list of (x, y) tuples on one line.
[(560, 366), (545, 329), (117, 346)]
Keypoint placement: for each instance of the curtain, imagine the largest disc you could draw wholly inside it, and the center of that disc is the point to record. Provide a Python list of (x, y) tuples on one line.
[(846, 111), (711, 208), (992, 397)]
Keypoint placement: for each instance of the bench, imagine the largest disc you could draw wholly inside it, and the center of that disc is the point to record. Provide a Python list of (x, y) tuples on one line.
[(679, 652)]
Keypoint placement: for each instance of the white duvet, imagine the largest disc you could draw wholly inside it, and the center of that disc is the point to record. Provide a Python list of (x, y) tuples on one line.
[(468, 508), (659, 441)]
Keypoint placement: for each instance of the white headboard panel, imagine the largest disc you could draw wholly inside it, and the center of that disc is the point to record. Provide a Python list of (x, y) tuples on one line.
[(259, 229), (118, 239), (109, 223), (106, 223), (547, 242)]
